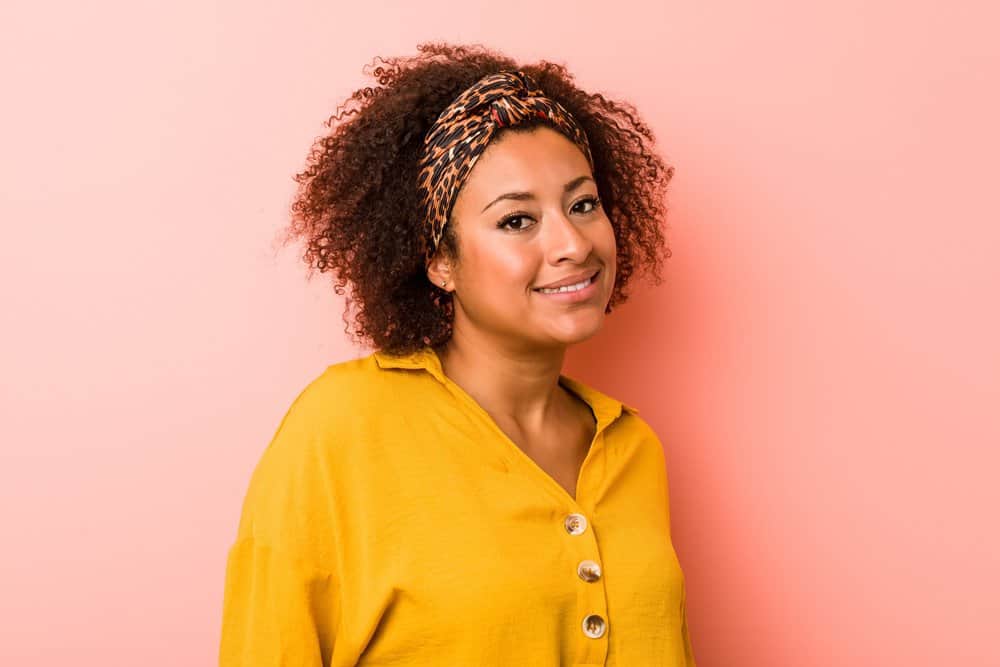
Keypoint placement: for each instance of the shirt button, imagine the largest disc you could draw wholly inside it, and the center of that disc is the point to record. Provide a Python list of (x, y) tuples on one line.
[(594, 626), (589, 570), (575, 524)]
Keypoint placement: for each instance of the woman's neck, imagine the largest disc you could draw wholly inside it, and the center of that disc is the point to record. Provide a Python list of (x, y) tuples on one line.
[(517, 385)]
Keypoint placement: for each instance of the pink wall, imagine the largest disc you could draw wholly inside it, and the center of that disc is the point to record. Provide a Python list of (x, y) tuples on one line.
[(822, 362)]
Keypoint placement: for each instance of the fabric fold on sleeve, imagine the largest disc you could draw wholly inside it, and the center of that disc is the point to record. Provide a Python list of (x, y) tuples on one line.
[(277, 612), (688, 648)]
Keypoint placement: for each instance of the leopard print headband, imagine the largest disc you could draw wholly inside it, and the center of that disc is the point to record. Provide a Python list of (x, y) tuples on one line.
[(464, 129)]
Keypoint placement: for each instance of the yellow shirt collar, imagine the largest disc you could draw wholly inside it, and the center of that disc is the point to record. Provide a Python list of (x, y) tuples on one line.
[(605, 408)]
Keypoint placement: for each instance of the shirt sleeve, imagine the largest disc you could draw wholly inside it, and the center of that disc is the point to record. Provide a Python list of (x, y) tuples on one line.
[(685, 633), (281, 600), (276, 612)]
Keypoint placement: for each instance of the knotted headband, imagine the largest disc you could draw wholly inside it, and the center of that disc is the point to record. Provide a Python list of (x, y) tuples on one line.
[(464, 129)]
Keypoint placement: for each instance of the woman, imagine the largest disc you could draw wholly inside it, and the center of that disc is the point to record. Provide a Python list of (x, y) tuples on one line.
[(453, 498)]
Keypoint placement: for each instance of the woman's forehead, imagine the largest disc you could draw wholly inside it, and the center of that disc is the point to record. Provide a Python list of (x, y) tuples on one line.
[(541, 159)]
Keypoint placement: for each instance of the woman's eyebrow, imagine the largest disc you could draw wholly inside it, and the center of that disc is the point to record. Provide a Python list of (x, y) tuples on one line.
[(569, 187)]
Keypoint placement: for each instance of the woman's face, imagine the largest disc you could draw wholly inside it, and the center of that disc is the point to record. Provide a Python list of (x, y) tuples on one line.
[(527, 218)]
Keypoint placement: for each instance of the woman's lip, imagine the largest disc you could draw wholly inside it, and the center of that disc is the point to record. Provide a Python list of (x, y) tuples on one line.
[(584, 294), (591, 276)]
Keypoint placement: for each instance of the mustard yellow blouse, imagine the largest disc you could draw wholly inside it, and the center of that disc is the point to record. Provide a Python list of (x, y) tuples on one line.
[(391, 522)]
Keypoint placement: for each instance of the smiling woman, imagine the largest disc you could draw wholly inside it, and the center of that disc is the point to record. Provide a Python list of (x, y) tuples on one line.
[(453, 498), (364, 219), (526, 262)]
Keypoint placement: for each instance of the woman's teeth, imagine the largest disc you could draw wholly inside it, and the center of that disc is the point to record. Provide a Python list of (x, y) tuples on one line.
[(566, 288)]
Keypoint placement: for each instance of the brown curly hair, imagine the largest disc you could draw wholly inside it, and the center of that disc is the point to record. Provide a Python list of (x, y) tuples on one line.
[(358, 211)]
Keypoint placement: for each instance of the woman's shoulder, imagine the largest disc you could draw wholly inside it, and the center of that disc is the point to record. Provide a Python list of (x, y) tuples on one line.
[(312, 418), (311, 442), (341, 382), (338, 397)]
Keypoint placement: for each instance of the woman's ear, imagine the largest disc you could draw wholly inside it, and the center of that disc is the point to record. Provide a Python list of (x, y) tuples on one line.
[(439, 271)]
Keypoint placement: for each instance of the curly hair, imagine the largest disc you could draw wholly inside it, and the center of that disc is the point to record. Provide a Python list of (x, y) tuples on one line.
[(358, 212)]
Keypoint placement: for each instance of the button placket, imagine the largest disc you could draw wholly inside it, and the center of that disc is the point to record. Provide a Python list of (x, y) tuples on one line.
[(579, 523), (591, 597)]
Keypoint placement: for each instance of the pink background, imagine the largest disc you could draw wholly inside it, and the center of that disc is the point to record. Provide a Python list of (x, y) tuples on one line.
[(822, 362)]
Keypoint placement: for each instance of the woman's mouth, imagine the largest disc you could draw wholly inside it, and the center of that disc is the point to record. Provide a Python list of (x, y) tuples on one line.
[(580, 291)]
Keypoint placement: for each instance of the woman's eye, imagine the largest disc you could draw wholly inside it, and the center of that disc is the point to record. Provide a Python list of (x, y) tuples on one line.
[(593, 201), (515, 222), (519, 222)]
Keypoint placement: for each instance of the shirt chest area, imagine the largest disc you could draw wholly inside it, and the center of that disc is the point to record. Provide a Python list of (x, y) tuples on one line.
[(470, 541), (473, 564)]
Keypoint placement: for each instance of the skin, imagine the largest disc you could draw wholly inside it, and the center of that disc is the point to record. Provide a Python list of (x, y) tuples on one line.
[(508, 342)]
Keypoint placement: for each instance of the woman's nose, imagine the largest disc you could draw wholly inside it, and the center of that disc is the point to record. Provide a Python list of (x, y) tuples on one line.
[(565, 240)]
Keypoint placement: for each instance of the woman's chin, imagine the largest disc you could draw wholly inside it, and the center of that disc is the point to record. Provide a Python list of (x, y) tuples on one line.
[(578, 331)]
